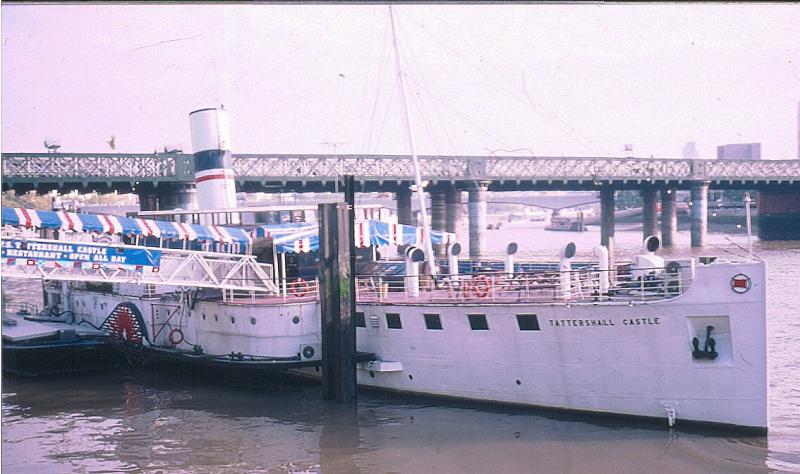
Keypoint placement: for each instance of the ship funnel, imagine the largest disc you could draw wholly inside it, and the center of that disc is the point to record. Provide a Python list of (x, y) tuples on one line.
[(213, 165), (511, 249), (413, 256), (602, 267), (565, 269)]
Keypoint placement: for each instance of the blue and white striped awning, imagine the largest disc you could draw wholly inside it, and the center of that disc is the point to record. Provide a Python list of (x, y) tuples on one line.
[(115, 225), (367, 233), (280, 230)]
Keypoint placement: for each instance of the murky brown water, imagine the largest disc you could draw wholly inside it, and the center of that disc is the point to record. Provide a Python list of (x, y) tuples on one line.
[(134, 420)]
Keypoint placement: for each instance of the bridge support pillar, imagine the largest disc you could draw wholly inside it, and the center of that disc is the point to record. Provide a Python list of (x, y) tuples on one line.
[(669, 216), (699, 212), (478, 193), (148, 198), (607, 221), (438, 213), (779, 215), (177, 196), (453, 213), (167, 196), (403, 197), (649, 212)]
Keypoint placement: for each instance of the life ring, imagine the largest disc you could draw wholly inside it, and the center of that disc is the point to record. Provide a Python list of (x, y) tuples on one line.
[(175, 336), (300, 288), (481, 286)]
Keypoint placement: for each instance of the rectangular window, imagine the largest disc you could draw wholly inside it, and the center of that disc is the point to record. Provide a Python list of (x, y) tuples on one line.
[(528, 322), (360, 322), (393, 321), (478, 322), (433, 321)]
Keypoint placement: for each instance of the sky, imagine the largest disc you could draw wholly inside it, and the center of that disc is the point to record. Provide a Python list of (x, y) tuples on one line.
[(526, 80)]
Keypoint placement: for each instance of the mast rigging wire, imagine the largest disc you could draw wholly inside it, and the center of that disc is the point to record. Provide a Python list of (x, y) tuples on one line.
[(521, 95)]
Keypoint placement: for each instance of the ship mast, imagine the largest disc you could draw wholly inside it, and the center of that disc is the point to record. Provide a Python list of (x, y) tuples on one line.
[(410, 136)]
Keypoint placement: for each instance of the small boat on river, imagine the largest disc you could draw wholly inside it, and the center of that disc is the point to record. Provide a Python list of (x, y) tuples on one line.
[(36, 345), (566, 224)]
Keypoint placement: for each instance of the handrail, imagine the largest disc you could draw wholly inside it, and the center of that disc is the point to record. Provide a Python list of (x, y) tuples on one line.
[(575, 286), (185, 268)]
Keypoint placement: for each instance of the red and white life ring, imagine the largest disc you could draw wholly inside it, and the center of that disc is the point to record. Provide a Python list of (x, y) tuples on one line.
[(175, 336), (481, 286), (300, 288)]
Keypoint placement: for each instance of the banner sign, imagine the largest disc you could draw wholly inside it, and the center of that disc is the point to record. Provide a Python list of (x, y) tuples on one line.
[(78, 253)]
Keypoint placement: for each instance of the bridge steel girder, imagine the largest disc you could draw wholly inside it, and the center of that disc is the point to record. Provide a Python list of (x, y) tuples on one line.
[(101, 171), (314, 173)]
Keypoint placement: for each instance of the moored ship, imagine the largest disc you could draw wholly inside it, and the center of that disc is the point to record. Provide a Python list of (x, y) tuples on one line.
[(681, 339), (684, 339)]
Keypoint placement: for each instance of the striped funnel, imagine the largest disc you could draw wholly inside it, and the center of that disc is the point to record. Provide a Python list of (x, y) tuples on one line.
[(213, 173)]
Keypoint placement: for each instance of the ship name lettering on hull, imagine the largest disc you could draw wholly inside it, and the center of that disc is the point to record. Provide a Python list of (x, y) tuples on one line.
[(604, 322)]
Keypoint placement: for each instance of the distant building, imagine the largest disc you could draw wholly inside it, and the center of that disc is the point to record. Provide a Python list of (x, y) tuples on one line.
[(739, 151), (689, 151)]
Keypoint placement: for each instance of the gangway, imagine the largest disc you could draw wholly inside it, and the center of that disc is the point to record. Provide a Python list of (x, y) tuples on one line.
[(59, 260)]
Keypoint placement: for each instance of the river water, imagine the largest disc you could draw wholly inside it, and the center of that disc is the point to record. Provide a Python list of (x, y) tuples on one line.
[(139, 421)]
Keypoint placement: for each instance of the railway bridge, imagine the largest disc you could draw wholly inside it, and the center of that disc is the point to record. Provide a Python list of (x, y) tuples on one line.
[(166, 181)]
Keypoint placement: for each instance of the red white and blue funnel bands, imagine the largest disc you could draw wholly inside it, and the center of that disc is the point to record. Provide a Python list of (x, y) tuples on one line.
[(212, 164), (213, 177), (116, 225)]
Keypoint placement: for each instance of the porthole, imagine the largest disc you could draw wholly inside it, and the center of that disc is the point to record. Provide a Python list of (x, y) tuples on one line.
[(296, 320), (204, 316), (216, 318), (233, 320), (519, 382), (410, 377), (253, 321)]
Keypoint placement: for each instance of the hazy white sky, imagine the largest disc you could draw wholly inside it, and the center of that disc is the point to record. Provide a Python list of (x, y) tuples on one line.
[(573, 80)]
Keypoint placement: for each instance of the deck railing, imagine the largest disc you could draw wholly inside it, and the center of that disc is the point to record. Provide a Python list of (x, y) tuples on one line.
[(292, 290), (185, 268), (576, 286)]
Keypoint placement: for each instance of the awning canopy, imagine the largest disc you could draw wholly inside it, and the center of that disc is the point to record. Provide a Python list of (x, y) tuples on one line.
[(367, 234), (114, 225), (280, 230)]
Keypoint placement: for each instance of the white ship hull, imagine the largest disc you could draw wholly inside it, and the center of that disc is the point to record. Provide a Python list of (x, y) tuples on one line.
[(272, 330), (604, 357), (630, 358)]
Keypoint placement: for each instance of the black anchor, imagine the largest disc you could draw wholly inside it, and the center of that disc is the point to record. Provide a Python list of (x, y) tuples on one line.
[(708, 351)]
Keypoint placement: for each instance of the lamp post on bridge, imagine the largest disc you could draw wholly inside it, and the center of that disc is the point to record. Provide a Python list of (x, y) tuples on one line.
[(335, 146)]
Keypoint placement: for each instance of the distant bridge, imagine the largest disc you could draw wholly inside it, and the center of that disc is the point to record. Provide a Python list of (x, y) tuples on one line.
[(273, 172), (548, 202)]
